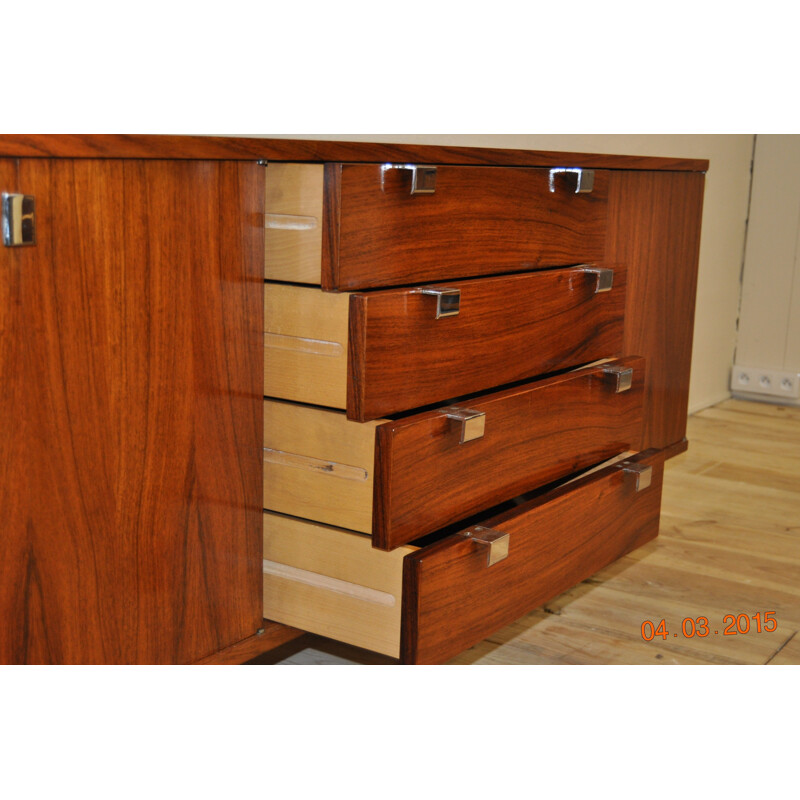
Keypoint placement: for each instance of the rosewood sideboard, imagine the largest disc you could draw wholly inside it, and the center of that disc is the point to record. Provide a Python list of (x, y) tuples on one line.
[(394, 395)]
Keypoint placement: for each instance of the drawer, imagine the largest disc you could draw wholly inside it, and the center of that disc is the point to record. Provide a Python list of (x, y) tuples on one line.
[(385, 352), (429, 604), (358, 226), (401, 479)]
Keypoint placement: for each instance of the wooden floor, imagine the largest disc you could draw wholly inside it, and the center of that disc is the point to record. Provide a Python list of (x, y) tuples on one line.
[(729, 544)]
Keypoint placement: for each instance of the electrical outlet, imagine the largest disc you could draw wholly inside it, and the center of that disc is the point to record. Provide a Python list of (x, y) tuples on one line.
[(772, 382)]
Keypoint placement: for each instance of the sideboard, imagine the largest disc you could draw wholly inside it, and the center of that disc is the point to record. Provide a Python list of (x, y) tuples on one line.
[(394, 395)]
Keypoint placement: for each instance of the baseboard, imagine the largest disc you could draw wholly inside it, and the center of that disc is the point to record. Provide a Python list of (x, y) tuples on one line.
[(768, 399), (708, 403)]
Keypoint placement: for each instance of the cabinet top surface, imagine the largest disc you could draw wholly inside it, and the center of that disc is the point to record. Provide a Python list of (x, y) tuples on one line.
[(35, 145)]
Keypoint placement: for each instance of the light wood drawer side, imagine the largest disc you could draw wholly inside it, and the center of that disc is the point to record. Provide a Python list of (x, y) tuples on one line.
[(293, 222), (318, 465), (332, 583), (305, 345)]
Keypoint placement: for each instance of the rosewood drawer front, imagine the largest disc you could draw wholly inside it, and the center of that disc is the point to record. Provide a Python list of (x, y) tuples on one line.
[(395, 350), (430, 604), (452, 599), (400, 480), (357, 226)]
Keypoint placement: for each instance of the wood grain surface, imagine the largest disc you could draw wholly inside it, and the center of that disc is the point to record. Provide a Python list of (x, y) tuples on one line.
[(654, 228), (479, 221), (535, 434), (39, 145), (509, 328), (130, 460), (451, 599)]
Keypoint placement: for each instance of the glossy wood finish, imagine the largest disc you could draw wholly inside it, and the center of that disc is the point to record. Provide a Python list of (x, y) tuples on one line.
[(654, 228), (509, 328), (38, 145), (535, 434), (130, 468), (452, 600), (479, 221), (272, 636)]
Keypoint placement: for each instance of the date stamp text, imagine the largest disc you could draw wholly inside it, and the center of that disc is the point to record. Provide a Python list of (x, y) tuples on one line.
[(732, 625)]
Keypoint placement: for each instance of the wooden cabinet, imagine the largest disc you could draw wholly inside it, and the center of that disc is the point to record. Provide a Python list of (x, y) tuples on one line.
[(130, 403), (451, 399)]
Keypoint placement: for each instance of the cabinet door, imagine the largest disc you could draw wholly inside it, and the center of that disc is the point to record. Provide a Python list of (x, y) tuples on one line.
[(131, 373)]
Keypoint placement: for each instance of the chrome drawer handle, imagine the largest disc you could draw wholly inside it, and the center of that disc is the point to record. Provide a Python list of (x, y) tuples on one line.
[(584, 178), (640, 473), (448, 301), (472, 423), (495, 542), (605, 278), (621, 378), (423, 178)]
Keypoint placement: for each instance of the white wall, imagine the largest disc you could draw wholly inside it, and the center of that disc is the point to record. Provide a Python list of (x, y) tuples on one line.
[(769, 327), (725, 214)]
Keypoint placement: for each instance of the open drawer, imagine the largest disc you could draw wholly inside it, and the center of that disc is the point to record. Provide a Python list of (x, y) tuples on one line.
[(390, 351), (427, 604), (358, 226), (402, 479)]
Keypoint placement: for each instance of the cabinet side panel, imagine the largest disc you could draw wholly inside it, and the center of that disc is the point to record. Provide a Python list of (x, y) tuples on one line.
[(132, 476), (654, 229)]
